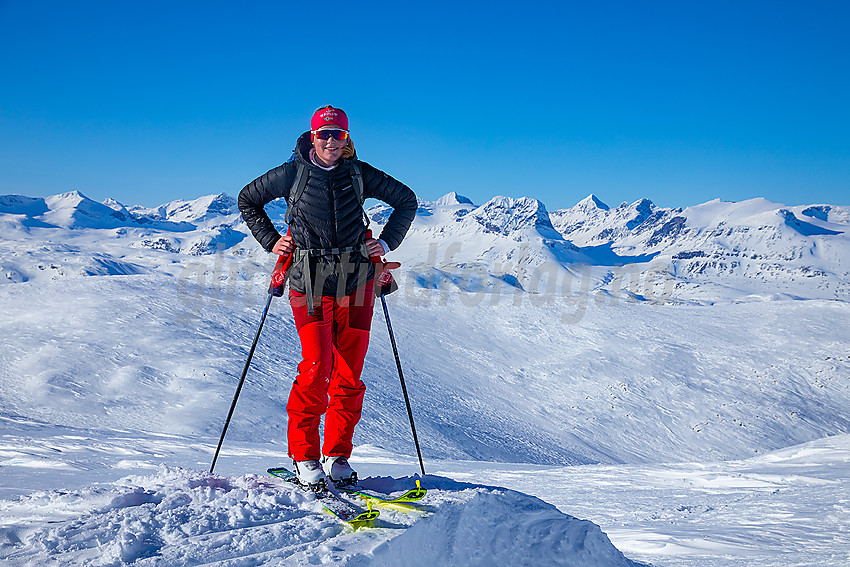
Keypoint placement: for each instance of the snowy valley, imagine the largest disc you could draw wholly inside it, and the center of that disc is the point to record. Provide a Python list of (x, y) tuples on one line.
[(678, 379)]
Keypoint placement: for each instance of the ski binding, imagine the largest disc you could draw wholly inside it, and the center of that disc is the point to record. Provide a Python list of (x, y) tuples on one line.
[(335, 505)]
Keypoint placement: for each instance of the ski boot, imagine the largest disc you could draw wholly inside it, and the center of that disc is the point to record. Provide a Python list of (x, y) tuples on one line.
[(339, 471), (310, 475)]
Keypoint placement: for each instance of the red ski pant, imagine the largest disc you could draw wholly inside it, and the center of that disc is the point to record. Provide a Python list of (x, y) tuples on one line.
[(334, 341)]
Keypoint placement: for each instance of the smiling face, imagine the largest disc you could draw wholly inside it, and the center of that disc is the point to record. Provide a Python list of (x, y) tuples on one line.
[(329, 151)]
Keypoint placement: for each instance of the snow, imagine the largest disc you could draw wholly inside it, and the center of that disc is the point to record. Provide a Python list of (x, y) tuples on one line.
[(189, 517), (788, 507), (453, 199), (652, 410)]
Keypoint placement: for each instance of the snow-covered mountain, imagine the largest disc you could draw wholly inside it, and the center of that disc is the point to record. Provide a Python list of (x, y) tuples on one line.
[(751, 245), (616, 338), (709, 252)]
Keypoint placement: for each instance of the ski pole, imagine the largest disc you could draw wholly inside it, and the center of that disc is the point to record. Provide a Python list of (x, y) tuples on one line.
[(403, 386), (275, 290), (388, 285)]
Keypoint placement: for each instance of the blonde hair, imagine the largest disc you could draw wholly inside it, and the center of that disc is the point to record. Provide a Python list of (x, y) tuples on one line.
[(348, 150)]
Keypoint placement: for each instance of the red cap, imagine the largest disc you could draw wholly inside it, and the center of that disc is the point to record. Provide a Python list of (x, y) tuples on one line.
[(329, 116)]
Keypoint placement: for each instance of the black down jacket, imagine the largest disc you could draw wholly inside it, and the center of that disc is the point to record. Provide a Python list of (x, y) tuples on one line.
[(327, 215)]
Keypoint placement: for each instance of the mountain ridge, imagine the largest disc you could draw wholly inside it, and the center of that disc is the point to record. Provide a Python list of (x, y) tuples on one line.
[(702, 252)]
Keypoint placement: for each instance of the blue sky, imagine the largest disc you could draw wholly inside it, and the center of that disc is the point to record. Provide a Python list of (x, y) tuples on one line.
[(678, 102)]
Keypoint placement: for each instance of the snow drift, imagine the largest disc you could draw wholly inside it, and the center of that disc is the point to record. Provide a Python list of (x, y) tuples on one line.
[(184, 517)]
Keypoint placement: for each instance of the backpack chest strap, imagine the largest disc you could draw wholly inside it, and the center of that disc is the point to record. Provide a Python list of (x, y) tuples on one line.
[(302, 256)]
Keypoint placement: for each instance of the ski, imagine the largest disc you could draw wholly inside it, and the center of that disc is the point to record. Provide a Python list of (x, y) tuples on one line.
[(335, 505), (412, 495)]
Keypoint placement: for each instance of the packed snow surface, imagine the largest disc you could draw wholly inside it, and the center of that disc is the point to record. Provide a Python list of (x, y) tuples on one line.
[(592, 386)]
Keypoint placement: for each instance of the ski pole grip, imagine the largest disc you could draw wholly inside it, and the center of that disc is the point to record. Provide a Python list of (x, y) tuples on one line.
[(279, 275), (375, 259), (278, 282), (384, 282)]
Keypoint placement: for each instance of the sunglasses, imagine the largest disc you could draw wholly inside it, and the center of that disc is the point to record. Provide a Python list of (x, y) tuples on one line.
[(326, 134)]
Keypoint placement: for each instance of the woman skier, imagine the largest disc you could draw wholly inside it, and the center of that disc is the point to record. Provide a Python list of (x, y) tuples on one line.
[(331, 282)]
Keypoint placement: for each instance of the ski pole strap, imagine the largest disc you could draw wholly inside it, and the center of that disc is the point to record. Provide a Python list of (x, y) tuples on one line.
[(302, 256)]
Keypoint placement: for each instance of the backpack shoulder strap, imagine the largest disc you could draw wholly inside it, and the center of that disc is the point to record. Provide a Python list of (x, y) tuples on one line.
[(357, 183), (296, 190), (357, 180)]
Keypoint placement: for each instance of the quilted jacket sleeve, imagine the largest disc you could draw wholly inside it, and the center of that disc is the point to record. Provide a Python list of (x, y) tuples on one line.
[(379, 185), (254, 196)]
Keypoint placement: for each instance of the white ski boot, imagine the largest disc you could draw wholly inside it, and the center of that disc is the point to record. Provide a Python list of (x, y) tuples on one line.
[(310, 474), (339, 471)]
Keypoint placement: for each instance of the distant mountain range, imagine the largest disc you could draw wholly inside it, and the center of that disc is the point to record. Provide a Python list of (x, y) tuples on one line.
[(704, 253)]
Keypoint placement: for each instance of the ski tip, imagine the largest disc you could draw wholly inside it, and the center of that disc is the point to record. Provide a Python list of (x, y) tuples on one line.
[(414, 494), (365, 519), (280, 472)]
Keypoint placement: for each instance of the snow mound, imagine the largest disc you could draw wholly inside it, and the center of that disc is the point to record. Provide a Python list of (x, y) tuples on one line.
[(492, 526), (185, 517)]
